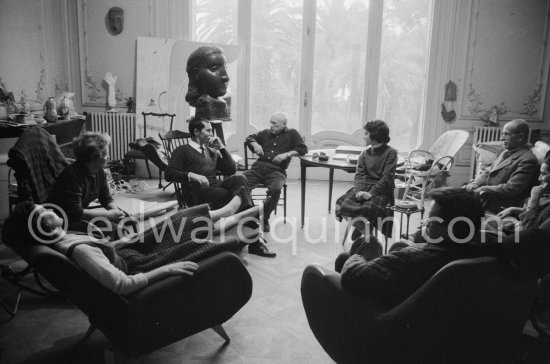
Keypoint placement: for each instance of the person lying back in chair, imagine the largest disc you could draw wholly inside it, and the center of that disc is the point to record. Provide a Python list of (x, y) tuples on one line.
[(131, 263)]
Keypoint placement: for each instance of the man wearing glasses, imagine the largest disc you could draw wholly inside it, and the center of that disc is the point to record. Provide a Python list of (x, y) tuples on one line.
[(509, 179)]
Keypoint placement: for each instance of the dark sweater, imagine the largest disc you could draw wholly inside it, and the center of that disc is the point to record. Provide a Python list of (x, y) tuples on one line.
[(186, 159), (393, 277), (76, 187), (275, 144), (376, 171)]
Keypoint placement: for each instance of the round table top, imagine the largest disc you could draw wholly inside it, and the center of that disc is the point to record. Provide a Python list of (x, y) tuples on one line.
[(334, 163), (330, 163)]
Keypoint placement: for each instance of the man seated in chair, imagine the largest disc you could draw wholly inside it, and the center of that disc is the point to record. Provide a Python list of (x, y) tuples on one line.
[(508, 181), (393, 277), (275, 147), (195, 166), (452, 233)]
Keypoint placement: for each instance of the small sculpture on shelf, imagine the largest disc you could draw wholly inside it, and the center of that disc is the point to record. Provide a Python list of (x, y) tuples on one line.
[(50, 110), (111, 81)]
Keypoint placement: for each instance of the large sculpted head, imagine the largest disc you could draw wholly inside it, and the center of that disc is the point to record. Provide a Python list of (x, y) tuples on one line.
[(207, 74)]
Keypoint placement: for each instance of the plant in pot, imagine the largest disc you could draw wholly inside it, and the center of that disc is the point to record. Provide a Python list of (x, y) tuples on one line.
[(7, 101)]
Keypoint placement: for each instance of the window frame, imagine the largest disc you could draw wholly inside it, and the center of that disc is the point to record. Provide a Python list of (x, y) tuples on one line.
[(304, 124)]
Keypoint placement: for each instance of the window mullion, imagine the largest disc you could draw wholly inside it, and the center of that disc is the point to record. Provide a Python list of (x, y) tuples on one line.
[(242, 117), (306, 71), (374, 43)]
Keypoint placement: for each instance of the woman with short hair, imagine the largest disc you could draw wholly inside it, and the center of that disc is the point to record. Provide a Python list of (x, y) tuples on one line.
[(84, 181), (373, 184)]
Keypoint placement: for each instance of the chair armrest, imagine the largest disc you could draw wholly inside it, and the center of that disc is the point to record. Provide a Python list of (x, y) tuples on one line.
[(340, 319), (179, 306)]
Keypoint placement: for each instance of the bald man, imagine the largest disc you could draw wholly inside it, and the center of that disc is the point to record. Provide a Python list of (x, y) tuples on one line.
[(509, 179), (275, 147)]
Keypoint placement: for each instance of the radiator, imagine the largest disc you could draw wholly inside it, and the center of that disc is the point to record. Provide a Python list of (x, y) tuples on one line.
[(482, 134), (486, 134), (120, 126)]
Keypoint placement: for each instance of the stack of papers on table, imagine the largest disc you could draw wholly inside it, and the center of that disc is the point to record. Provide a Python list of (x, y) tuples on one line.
[(348, 153)]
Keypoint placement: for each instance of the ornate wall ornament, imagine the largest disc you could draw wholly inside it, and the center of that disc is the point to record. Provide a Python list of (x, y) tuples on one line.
[(491, 115), (475, 101), (40, 85), (120, 96), (94, 92), (496, 87), (530, 108)]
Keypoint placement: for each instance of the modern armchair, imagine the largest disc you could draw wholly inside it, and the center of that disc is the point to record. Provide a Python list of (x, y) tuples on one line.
[(159, 314), (468, 312)]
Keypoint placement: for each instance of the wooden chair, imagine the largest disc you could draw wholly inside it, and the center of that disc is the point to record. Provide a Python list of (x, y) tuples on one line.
[(249, 158), (170, 141), (137, 152)]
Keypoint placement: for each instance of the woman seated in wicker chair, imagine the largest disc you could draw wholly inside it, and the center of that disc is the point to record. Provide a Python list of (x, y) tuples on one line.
[(373, 184)]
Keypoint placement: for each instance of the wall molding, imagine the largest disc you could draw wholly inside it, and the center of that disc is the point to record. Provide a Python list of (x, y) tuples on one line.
[(92, 94), (477, 104), (69, 47)]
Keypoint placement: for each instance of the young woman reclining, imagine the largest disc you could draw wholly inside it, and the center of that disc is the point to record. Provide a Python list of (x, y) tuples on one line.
[(131, 263)]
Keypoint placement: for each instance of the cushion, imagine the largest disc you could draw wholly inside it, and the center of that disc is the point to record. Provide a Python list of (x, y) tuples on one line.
[(540, 149)]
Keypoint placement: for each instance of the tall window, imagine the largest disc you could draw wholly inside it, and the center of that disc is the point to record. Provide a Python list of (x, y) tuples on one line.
[(331, 95), (275, 60), (339, 59), (402, 72)]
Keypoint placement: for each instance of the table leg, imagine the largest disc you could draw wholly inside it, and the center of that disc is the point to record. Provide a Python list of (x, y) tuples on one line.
[(400, 225), (303, 182), (330, 183)]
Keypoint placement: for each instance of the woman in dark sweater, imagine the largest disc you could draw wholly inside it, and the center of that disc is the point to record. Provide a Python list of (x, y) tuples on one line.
[(373, 184), (83, 182)]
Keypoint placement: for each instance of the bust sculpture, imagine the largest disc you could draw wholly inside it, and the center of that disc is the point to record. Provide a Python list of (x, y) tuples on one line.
[(115, 20), (208, 81)]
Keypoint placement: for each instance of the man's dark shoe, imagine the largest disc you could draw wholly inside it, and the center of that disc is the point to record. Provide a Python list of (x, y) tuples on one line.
[(259, 248)]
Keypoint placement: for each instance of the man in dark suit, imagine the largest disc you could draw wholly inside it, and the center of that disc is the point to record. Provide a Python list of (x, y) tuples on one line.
[(510, 178)]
